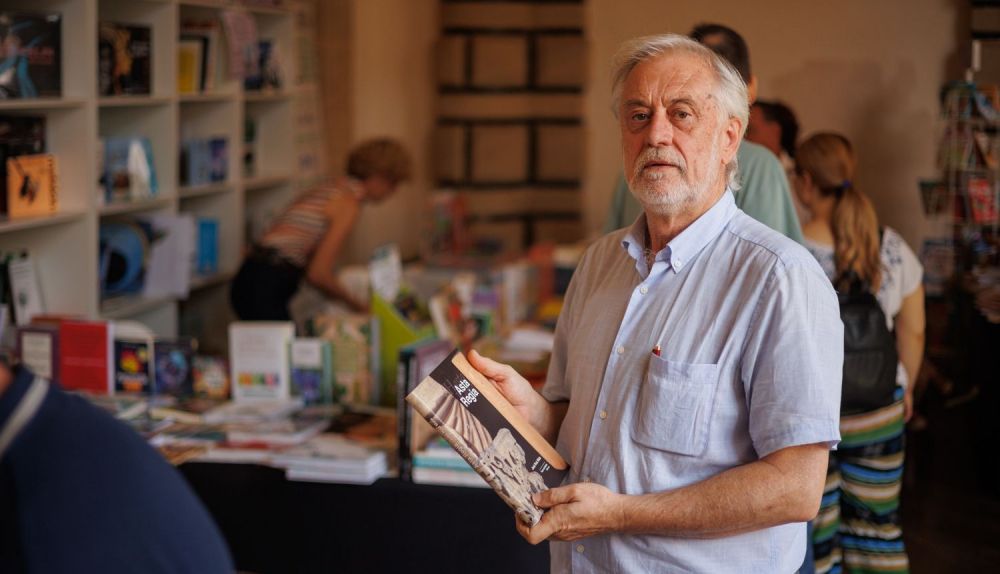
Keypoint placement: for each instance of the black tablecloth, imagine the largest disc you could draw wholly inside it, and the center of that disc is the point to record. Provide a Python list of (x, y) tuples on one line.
[(275, 525)]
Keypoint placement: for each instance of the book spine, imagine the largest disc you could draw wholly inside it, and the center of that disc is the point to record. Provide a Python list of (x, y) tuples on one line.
[(528, 515)]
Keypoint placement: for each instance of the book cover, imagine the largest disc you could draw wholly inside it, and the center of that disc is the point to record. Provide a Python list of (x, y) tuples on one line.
[(211, 377), (129, 173), (416, 362), (124, 59), (311, 370), (38, 349), (982, 200), (132, 366), (207, 254), (190, 54), (479, 423), (173, 366), (31, 66), (86, 355), (258, 359), (32, 185), (350, 337)]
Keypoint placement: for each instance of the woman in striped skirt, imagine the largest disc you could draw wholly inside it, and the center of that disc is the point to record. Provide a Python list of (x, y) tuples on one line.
[(857, 529)]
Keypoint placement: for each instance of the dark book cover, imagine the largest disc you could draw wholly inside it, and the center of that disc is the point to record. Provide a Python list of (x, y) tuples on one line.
[(132, 362), (173, 368), (31, 64), (124, 59), (489, 433), (19, 135)]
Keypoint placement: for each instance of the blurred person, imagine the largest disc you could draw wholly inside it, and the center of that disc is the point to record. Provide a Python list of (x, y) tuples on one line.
[(306, 239), (858, 526), (761, 189), (773, 125), (80, 491)]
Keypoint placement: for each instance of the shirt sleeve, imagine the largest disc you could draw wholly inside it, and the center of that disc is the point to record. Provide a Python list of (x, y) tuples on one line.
[(792, 363), (911, 271), (765, 194)]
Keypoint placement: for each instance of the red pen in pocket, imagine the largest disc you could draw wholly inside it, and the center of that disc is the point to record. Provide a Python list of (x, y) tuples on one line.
[(656, 350)]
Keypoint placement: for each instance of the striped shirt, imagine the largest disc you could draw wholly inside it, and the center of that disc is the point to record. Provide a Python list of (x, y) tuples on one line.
[(298, 230)]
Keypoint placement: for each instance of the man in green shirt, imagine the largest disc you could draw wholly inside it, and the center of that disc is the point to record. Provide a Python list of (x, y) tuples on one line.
[(764, 193)]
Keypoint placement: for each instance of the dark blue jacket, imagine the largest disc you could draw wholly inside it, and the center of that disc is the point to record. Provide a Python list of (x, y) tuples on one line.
[(82, 492)]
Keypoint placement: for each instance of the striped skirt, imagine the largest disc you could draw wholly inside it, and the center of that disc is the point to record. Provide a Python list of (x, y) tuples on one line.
[(857, 529)]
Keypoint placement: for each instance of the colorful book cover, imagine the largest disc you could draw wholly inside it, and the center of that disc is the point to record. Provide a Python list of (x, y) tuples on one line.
[(207, 261), (124, 59), (211, 377), (416, 362), (174, 367), (258, 359), (190, 55), (25, 290), (312, 370), (32, 185), (489, 433), (129, 173), (350, 338), (133, 366), (31, 64), (982, 200)]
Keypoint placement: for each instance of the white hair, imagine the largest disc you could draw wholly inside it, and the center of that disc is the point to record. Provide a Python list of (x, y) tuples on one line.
[(731, 91)]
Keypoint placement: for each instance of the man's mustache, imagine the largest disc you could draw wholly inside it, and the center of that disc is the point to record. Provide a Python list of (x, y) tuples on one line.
[(661, 156)]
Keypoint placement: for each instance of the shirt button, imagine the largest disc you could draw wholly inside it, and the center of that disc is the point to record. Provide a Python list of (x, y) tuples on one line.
[(604, 415), (643, 289), (621, 350), (579, 548)]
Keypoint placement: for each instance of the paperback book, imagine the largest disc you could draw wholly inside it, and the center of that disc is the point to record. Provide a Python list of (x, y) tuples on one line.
[(124, 54), (489, 433), (32, 188), (31, 66)]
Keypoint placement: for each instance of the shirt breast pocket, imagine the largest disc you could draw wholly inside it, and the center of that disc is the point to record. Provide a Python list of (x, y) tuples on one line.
[(675, 406)]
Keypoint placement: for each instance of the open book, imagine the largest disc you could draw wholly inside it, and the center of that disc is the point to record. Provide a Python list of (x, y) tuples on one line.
[(479, 423)]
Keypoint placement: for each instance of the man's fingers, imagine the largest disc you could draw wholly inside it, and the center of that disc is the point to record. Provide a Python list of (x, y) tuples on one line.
[(552, 497), (489, 367)]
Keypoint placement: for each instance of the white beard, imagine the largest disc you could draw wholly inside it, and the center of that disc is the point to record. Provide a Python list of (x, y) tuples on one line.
[(652, 192)]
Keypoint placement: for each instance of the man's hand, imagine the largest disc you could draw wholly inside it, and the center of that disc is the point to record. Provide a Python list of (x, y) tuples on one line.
[(511, 385), (575, 511)]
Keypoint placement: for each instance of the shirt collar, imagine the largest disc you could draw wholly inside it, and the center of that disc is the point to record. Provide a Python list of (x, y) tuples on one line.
[(688, 243)]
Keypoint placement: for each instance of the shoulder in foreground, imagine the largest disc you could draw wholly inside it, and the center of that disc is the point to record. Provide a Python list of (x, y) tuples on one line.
[(765, 239)]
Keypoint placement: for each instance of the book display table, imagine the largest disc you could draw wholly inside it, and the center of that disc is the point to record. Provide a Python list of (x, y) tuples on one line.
[(275, 525)]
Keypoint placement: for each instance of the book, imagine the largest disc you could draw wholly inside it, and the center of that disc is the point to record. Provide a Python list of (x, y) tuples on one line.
[(25, 290), (32, 62), (448, 477), (38, 349), (287, 432), (211, 377), (189, 410), (350, 337), (128, 170), (311, 370), (483, 427), (19, 135), (206, 33), (258, 359), (331, 457), (255, 411), (207, 253), (190, 53), (32, 185), (132, 366), (983, 201), (86, 355), (124, 54), (173, 366), (416, 362)]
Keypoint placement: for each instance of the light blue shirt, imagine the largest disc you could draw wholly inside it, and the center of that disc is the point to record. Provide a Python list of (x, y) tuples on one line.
[(750, 363)]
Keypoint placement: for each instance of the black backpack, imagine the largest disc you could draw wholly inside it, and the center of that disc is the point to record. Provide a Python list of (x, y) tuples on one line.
[(870, 356)]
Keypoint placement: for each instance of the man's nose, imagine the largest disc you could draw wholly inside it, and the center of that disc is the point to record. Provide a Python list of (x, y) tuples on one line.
[(660, 131)]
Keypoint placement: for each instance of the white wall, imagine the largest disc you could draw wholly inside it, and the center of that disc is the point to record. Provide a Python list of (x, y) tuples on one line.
[(869, 69)]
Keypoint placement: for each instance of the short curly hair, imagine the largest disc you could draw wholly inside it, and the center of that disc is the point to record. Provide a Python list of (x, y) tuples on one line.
[(380, 156)]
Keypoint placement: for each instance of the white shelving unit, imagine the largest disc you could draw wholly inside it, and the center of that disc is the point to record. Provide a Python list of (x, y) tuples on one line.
[(64, 246)]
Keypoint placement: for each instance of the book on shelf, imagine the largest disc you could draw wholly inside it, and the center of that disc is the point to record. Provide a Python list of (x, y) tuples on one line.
[(268, 74), (173, 366), (207, 254), (168, 268), (983, 197), (416, 362), (204, 160), (128, 171), (211, 377), (32, 63), (483, 427), (206, 34), (258, 359), (190, 55), (19, 135), (124, 54), (86, 353), (32, 185), (25, 289)]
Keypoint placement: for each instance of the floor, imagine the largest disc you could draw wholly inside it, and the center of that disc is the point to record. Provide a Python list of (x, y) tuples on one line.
[(951, 500)]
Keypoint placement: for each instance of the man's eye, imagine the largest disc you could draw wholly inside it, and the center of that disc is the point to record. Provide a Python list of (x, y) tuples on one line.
[(640, 116), (682, 115)]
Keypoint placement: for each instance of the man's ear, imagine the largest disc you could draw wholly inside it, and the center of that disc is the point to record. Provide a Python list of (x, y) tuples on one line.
[(731, 139), (752, 89)]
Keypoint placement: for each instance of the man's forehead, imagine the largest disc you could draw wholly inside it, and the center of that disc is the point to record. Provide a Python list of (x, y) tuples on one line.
[(669, 77)]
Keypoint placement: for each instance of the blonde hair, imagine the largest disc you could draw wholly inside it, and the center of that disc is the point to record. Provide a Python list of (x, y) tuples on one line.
[(380, 156), (731, 91), (829, 160)]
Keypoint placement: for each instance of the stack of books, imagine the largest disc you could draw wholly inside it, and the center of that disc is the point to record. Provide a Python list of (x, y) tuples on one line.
[(332, 458)]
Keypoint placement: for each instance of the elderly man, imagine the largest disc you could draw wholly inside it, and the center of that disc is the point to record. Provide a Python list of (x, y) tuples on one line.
[(695, 381), (763, 191)]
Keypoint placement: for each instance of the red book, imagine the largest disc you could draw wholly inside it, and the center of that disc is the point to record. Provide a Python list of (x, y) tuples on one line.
[(86, 357)]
